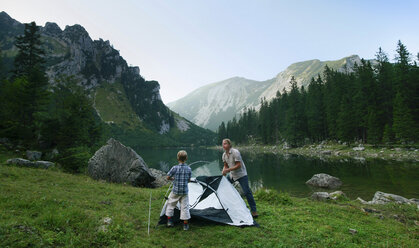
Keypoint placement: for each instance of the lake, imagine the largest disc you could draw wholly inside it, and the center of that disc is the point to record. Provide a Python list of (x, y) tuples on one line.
[(289, 173)]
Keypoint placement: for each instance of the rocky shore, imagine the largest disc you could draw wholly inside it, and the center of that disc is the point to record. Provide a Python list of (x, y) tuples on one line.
[(336, 151)]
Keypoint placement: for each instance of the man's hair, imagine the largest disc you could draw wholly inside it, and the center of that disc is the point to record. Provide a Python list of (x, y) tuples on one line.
[(182, 156), (228, 141)]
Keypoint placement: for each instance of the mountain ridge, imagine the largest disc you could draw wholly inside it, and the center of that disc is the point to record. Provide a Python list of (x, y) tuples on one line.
[(93, 64)]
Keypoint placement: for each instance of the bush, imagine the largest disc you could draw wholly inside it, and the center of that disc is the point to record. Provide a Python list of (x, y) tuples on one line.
[(273, 197), (75, 159)]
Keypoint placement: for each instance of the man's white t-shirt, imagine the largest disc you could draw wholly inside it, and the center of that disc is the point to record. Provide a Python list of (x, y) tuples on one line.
[(231, 158)]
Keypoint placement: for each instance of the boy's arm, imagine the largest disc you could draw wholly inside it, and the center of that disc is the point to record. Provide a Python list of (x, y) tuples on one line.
[(170, 174)]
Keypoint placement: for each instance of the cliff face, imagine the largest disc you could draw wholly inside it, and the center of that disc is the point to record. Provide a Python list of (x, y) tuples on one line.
[(120, 94)]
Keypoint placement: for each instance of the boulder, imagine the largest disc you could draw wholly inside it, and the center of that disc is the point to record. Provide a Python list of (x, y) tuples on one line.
[(324, 196), (324, 181), (385, 198), (326, 152), (43, 164), (359, 148), (117, 163), (320, 196), (27, 163), (160, 176), (33, 155), (20, 161)]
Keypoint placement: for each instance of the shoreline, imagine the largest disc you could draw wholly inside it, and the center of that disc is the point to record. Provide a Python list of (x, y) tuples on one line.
[(336, 151)]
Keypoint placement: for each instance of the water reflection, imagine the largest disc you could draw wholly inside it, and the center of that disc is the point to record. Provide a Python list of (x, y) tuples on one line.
[(289, 173)]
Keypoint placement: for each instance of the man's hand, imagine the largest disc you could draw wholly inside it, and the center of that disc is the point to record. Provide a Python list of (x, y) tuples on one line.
[(225, 171)]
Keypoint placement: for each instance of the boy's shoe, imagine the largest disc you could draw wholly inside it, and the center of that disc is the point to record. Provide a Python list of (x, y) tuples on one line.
[(185, 227), (170, 223)]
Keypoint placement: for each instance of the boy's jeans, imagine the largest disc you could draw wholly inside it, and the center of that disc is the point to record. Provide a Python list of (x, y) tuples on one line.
[(244, 183)]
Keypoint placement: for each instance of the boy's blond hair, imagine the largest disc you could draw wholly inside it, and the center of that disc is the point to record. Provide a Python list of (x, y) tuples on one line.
[(182, 156)]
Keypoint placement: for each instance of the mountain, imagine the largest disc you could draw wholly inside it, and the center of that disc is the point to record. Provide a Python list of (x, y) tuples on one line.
[(211, 104), (208, 106), (129, 104)]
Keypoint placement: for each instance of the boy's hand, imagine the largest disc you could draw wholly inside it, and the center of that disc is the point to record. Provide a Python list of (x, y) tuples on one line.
[(169, 178)]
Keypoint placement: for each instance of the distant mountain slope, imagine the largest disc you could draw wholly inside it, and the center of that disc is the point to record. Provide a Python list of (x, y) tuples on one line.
[(122, 97), (208, 106), (211, 104), (304, 71)]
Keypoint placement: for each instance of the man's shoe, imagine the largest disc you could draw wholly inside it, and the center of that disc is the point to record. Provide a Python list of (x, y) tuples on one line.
[(170, 223), (185, 227), (255, 215)]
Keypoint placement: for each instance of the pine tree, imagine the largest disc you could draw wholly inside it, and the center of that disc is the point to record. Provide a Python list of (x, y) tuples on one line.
[(30, 55), (404, 126), (295, 120), (222, 132), (29, 66)]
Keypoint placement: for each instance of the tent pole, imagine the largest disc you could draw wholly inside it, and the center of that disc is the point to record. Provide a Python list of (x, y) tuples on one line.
[(149, 213)]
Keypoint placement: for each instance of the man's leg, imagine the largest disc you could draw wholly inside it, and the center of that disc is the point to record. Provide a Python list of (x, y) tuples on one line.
[(244, 183)]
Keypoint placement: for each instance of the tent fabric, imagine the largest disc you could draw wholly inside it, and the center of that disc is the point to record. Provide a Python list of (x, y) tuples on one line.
[(214, 198)]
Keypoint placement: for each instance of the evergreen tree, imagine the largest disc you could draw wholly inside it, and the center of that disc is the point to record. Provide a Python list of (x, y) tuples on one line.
[(295, 116), (29, 72), (404, 126), (30, 56)]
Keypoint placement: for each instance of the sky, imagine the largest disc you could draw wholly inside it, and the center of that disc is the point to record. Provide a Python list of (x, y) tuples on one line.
[(187, 44)]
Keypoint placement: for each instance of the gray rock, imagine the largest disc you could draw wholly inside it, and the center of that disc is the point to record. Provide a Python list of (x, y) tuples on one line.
[(337, 194), (53, 154), (107, 221), (160, 176), (27, 163), (324, 181), (20, 161), (117, 163), (385, 198), (359, 148), (353, 231), (33, 155), (326, 152), (324, 196), (320, 196), (44, 164)]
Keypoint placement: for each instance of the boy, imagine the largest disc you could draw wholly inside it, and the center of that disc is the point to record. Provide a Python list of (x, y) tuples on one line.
[(181, 175)]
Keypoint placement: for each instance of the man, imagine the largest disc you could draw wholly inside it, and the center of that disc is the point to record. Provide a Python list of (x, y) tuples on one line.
[(234, 164)]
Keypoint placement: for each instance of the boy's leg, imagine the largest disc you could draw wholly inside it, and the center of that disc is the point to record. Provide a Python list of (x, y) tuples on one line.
[(184, 211), (170, 207), (184, 208), (244, 183)]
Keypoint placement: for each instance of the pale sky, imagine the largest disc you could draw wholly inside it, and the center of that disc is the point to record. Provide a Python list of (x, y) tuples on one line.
[(186, 44)]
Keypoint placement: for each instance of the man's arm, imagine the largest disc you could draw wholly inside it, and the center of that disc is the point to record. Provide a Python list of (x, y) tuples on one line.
[(236, 166)]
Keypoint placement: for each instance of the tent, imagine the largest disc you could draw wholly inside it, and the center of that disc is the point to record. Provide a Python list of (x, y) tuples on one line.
[(214, 198)]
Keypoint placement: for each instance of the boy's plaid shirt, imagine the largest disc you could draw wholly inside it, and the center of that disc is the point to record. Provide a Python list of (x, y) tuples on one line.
[(182, 173)]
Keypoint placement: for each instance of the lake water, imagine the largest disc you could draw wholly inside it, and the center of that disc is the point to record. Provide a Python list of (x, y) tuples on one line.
[(289, 173)]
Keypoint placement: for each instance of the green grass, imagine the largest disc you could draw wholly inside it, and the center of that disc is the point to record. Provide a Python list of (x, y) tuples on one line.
[(113, 105), (44, 208)]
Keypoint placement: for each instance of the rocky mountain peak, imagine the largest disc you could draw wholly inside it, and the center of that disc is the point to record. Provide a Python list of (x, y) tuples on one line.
[(51, 28), (78, 35)]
